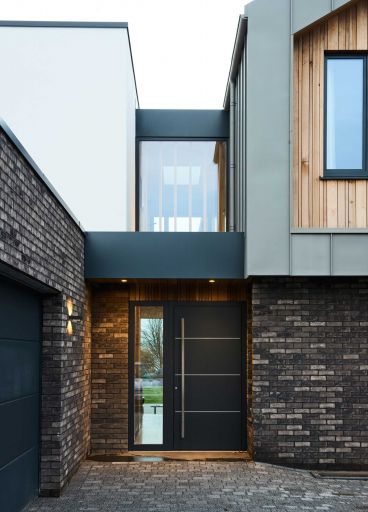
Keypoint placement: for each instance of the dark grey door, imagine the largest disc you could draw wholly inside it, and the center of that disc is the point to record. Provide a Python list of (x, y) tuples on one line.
[(209, 395), (20, 323)]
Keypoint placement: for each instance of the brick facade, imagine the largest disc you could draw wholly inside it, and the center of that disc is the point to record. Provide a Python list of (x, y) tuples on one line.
[(310, 374), (39, 239), (109, 414)]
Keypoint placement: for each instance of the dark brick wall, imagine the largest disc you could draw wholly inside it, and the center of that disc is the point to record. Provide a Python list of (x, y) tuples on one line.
[(39, 238), (310, 373), (109, 414)]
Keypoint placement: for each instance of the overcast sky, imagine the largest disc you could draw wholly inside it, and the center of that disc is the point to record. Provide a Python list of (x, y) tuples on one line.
[(181, 49)]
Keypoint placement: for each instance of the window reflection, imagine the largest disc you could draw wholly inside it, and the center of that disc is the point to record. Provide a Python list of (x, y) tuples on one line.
[(345, 113), (182, 186), (148, 375)]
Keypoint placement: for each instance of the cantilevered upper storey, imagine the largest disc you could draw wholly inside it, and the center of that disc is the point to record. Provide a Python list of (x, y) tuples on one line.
[(297, 101)]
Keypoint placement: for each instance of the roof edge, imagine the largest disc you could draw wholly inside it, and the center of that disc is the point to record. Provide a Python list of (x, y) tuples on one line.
[(22, 150), (61, 24), (77, 24), (236, 56), (335, 9)]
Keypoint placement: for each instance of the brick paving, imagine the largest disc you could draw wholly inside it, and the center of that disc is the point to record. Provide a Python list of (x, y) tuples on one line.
[(202, 487)]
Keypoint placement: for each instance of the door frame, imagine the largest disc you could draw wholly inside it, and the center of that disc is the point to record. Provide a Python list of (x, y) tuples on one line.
[(168, 372)]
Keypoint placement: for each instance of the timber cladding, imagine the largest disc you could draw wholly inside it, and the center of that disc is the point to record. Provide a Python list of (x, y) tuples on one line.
[(323, 203), (110, 333)]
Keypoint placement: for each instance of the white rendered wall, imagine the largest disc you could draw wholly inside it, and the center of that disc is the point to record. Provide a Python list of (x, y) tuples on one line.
[(69, 96)]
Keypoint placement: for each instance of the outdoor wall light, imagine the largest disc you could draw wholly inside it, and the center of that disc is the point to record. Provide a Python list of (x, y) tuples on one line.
[(124, 280), (212, 281), (71, 318)]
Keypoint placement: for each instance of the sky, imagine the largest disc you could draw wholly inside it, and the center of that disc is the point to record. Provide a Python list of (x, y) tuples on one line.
[(181, 50)]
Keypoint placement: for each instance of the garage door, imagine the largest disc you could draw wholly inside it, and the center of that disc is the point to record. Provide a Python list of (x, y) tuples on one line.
[(20, 334)]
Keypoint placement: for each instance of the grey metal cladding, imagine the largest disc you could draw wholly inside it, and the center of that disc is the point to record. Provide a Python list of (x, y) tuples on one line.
[(164, 255), (311, 255), (339, 3), (240, 142), (329, 253), (350, 255), (305, 12), (268, 133), (156, 123)]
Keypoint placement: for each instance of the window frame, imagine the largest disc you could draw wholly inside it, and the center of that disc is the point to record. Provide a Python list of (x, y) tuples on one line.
[(346, 174), (170, 139)]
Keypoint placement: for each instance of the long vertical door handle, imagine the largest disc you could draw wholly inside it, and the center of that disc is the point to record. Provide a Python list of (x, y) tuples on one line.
[(182, 378)]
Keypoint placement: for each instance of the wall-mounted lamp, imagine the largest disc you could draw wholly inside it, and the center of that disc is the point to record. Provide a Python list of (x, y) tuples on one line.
[(124, 280), (71, 318), (212, 281)]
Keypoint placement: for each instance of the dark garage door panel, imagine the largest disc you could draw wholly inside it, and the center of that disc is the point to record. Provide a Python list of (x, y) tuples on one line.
[(20, 334), (19, 369), (20, 316), (19, 426), (19, 481)]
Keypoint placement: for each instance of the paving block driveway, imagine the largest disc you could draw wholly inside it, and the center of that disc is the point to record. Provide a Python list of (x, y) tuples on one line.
[(202, 486)]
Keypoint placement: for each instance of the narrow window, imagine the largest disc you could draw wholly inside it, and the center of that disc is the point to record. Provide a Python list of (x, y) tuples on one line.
[(182, 186), (345, 113), (148, 375)]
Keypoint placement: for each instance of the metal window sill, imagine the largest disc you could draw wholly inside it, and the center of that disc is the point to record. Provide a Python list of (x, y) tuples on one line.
[(344, 178)]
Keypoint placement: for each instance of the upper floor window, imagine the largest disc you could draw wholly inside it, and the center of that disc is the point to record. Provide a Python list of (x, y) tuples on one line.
[(182, 186), (345, 116)]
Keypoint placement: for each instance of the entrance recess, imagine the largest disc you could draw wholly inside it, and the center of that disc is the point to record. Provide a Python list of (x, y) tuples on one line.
[(187, 377)]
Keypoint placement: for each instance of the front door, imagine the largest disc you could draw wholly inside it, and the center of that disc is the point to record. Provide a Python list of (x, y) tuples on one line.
[(208, 377), (188, 377)]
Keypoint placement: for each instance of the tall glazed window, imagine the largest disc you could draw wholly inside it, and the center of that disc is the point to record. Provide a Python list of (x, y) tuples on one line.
[(148, 375), (182, 186)]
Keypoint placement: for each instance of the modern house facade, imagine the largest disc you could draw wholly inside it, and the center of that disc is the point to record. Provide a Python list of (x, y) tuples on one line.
[(219, 301)]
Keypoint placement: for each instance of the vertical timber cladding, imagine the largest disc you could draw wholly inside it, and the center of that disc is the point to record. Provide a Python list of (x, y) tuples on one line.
[(110, 365), (317, 203)]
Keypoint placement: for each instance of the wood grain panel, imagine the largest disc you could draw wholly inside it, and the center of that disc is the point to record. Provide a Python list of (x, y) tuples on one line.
[(321, 203), (191, 291)]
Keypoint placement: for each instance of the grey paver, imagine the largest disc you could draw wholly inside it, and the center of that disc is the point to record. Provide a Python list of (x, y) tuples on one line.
[(202, 487)]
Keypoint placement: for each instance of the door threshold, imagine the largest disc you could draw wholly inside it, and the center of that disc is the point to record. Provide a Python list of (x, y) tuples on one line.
[(194, 455), (161, 456)]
